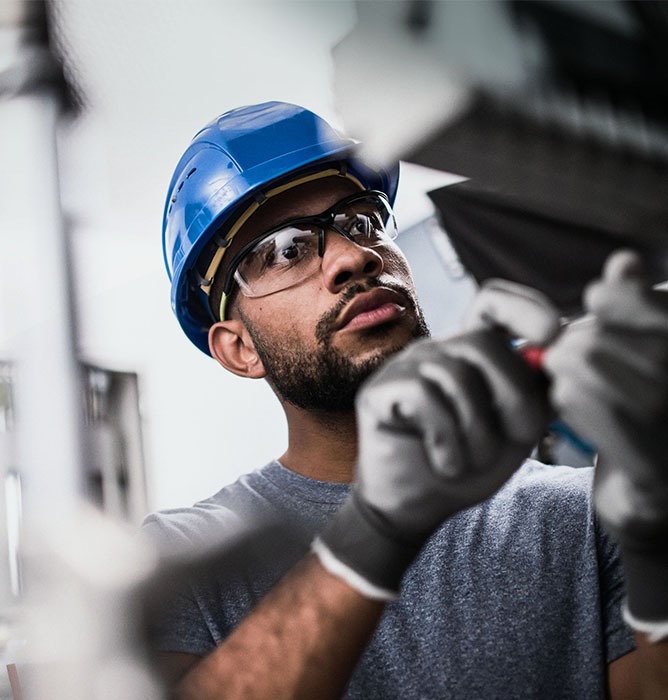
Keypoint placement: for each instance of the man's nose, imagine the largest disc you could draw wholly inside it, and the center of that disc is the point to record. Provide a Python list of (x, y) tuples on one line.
[(345, 261)]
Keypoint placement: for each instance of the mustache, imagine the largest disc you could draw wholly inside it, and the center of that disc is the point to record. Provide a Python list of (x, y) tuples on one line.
[(326, 325)]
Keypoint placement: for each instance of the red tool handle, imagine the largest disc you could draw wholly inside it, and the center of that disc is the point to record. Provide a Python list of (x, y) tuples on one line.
[(533, 356)]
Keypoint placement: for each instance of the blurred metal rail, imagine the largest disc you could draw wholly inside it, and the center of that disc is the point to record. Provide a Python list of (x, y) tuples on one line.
[(75, 616)]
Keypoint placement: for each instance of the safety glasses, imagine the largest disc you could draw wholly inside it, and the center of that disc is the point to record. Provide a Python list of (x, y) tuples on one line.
[(290, 253)]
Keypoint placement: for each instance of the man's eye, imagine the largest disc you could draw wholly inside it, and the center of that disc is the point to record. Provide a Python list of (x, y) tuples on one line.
[(291, 252), (367, 225), (362, 224)]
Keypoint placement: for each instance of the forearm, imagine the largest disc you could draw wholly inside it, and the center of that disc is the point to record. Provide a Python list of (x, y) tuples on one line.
[(302, 641), (652, 668)]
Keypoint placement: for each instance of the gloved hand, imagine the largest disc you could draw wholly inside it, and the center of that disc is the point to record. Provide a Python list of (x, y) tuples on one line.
[(610, 383), (442, 425)]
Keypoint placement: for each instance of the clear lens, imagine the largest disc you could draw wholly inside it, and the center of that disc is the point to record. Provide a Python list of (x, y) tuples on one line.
[(278, 261), (290, 254), (368, 220)]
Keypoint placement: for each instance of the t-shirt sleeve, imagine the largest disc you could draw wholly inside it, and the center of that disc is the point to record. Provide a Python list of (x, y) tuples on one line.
[(177, 623), (180, 626)]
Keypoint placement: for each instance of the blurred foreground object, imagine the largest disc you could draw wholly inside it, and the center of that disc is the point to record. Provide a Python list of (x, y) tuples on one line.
[(610, 381), (69, 623), (557, 111)]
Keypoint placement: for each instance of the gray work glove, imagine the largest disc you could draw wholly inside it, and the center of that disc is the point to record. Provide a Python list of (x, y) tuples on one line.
[(442, 425), (610, 383)]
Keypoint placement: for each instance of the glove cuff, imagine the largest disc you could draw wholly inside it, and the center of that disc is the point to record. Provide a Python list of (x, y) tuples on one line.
[(646, 587), (356, 547), (350, 576)]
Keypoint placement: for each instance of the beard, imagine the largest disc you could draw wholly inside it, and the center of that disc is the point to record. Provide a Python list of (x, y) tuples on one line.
[(325, 379)]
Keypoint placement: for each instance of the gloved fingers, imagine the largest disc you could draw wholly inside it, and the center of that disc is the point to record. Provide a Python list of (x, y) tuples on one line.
[(466, 391), (622, 416), (631, 494), (638, 460), (628, 305), (614, 497), (398, 404), (624, 264), (443, 400), (518, 393), (624, 297), (520, 310), (591, 365), (586, 347)]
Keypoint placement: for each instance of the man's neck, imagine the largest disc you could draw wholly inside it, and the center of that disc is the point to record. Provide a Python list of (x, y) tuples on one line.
[(321, 446)]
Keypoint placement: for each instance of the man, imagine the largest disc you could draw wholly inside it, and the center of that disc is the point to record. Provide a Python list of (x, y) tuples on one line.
[(279, 244)]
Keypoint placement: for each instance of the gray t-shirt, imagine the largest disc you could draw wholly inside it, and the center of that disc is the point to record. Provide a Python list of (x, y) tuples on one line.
[(519, 597)]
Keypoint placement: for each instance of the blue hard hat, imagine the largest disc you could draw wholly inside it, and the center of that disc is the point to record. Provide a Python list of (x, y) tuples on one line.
[(231, 159)]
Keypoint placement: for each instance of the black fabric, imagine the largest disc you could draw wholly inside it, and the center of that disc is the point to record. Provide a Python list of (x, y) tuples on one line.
[(493, 238), (496, 235)]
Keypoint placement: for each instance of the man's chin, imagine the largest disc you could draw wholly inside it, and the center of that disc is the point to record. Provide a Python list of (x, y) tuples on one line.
[(375, 342)]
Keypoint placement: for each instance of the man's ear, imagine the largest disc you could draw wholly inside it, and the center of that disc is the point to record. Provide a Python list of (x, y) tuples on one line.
[(231, 344)]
